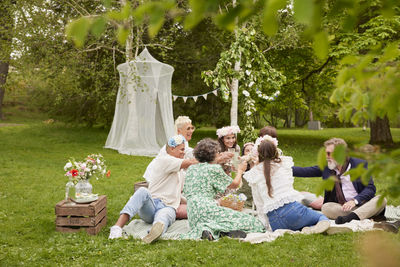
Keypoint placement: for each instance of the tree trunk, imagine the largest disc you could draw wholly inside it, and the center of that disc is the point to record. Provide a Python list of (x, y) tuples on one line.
[(129, 39), (6, 29), (3, 78), (380, 132), (300, 118), (288, 121), (235, 96), (235, 86)]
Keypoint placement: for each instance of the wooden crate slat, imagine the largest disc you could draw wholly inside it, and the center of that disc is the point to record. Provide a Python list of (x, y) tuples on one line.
[(92, 230), (81, 221), (99, 204), (95, 230), (81, 209)]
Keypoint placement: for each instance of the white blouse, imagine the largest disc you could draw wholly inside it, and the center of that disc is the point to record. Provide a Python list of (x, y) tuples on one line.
[(282, 184)]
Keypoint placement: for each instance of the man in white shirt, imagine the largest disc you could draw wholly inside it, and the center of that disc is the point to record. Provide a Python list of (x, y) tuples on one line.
[(158, 203), (184, 127)]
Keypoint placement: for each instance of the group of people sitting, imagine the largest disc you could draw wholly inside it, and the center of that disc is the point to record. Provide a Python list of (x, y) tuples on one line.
[(186, 183)]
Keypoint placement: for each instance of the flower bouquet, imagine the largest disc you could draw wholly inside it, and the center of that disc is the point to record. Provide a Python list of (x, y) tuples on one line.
[(79, 173), (233, 201)]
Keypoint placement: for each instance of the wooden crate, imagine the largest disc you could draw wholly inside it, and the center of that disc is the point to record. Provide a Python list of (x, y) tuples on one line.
[(90, 217)]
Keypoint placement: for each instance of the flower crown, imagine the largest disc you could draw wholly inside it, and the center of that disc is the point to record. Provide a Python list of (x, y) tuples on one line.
[(228, 130), (176, 140), (266, 137)]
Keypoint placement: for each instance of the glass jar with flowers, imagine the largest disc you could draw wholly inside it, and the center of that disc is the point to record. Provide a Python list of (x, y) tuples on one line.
[(81, 171)]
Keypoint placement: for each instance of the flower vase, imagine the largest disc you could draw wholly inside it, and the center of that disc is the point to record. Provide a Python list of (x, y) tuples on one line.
[(83, 189), (69, 193)]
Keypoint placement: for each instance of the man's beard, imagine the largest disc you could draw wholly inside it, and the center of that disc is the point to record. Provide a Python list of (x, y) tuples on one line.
[(332, 164)]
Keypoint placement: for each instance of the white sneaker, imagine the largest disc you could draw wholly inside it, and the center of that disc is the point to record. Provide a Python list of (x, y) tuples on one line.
[(319, 228), (155, 232), (115, 232)]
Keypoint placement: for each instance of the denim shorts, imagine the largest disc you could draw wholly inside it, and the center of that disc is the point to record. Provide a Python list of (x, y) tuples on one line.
[(294, 216)]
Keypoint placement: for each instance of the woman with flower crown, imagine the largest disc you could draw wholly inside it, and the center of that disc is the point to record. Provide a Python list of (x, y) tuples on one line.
[(278, 203), (227, 138)]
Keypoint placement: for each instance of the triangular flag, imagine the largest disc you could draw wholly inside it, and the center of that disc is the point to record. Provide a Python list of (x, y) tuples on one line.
[(205, 96), (184, 99), (195, 98), (215, 92), (174, 97)]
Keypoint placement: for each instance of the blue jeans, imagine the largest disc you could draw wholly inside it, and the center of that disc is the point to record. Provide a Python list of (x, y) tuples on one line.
[(294, 216), (150, 210)]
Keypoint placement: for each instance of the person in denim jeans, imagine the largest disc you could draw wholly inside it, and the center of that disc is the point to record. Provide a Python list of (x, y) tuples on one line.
[(158, 204), (271, 181)]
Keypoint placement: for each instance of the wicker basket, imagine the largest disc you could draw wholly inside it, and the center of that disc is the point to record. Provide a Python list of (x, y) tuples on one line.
[(232, 204)]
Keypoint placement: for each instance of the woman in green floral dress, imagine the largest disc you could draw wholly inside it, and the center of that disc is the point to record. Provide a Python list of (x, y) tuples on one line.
[(203, 181)]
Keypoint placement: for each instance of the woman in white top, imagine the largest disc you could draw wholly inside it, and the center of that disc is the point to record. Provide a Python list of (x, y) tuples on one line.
[(271, 181)]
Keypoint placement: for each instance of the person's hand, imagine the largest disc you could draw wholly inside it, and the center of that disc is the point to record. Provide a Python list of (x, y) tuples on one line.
[(224, 157), (349, 205), (242, 166)]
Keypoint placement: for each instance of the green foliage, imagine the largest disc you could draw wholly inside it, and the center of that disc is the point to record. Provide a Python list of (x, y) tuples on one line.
[(369, 83), (382, 167), (339, 154), (78, 30), (256, 76), (321, 44), (325, 185), (303, 11), (321, 158), (248, 109), (270, 23)]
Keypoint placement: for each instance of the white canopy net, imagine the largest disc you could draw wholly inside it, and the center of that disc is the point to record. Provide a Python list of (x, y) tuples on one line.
[(143, 119)]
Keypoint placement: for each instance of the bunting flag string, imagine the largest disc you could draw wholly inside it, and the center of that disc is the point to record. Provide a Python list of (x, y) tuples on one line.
[(195, 97)]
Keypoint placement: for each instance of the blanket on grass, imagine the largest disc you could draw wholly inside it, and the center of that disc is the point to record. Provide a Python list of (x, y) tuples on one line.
[(139, 229)]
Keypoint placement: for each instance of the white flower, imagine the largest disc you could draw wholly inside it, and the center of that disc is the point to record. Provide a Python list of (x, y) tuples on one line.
[(248, 72), (246, 93), (242, 197), (67, 166), (94, 167), (251, 84), (248, 113), (228, 130), (254, 151), (98, 161)]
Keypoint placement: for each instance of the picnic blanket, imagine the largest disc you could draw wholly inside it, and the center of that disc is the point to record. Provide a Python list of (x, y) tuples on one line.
[(139, 229)]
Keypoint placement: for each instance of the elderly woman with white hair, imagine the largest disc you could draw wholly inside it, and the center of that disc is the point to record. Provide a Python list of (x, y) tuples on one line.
[(183, 126)]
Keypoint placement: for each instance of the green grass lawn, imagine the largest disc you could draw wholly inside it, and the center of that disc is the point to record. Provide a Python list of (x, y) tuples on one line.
[(32, 157)]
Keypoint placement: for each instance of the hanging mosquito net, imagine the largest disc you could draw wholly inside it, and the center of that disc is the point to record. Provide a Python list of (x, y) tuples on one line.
[(143, 119)]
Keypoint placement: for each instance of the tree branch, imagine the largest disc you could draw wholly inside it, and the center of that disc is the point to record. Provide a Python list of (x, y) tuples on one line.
[(303, 79), (87, 13), (101, 47), (160, 45)]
